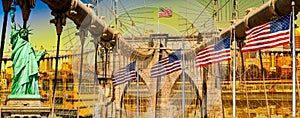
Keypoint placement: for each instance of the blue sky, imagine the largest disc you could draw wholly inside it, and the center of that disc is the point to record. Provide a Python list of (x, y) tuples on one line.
[(43, 32)]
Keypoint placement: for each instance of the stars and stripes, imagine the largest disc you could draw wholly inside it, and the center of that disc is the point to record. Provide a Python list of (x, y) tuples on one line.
[(268, 35), (124, 74), (167, 65), (164, 12), (214, 53)]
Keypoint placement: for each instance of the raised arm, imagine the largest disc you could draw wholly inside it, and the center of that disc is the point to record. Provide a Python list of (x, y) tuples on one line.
[(14, 32), (12, 15)]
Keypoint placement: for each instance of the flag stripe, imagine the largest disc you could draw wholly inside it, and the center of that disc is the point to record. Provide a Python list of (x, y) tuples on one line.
[(157, 67), (216, 60), (265, 46), (216, 57), (129, 77), (167, 65), (167, 69), (268, 35), (258, 28), (205, 52), (214, 53), (124, 74), (124, 79), (165, 12)]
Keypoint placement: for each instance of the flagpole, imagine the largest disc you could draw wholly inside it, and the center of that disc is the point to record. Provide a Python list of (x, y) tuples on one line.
[(234, 74), (157, 84), (294, 59), (137, 94), (137, 89), (183, 83), (158, 20)]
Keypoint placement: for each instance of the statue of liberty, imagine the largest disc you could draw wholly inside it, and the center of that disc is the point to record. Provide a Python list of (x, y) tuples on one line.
[(24, 62)]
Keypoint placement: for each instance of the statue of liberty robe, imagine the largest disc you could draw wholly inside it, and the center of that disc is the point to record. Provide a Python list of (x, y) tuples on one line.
[(25, 65)]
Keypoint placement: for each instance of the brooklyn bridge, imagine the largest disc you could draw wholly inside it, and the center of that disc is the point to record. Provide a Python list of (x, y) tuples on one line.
[(151, 58)]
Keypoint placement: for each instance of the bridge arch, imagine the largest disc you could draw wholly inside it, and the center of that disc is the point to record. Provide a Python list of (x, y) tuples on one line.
[(198, 100)]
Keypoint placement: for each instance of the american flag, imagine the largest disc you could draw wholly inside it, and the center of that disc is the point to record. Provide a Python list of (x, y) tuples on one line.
[(124, 74), (164, 12), (268, 35), (214, 53), (167, 65)]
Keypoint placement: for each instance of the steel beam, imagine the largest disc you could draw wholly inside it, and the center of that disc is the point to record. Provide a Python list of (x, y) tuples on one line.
[(83, 16), (263, 14)]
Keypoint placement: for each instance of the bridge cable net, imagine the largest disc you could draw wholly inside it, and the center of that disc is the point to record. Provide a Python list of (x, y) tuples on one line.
[(77, 88), (138, 43), (131, 47)]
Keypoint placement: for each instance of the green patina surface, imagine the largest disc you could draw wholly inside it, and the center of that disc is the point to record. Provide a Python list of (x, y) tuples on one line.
[(25, 96), (25, 63)]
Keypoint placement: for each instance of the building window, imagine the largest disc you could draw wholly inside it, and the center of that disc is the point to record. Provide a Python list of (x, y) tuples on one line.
[(45, 85), (59, 85), (59, 100), (70, 85)]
